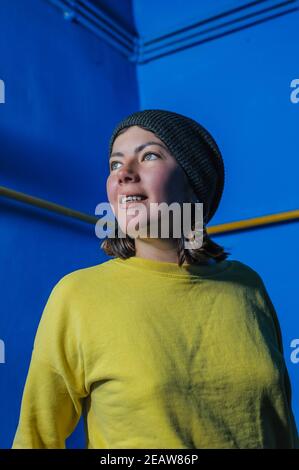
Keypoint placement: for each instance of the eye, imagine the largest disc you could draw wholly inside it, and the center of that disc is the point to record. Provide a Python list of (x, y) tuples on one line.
[(150, 153), (112, 163), (145, 155)]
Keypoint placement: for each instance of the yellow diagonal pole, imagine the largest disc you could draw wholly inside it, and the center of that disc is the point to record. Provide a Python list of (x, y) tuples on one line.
[(43, 204), (253, 222)]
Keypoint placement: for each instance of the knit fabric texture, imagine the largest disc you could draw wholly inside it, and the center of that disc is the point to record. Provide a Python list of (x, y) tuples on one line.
[(191, 145), (159, 356)]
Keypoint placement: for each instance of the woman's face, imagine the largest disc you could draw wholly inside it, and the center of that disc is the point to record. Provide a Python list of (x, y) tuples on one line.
[(140, 163)]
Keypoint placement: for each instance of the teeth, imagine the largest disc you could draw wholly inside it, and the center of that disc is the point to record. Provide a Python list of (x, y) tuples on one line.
[(131, 198)]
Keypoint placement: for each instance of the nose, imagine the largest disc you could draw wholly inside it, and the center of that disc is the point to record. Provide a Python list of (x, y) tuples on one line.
[(126, 174)]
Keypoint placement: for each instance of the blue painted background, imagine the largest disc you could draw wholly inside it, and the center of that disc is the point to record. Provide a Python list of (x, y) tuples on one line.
[(66, 88)]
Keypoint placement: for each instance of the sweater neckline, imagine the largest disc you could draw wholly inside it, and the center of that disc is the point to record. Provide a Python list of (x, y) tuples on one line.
[(172, 269)]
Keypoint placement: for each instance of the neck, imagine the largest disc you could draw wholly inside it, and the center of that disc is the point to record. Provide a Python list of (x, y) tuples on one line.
[(162, 250), (157, 249)]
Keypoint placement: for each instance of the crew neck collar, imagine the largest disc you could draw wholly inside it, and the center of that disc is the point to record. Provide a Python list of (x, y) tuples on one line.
[(171, 268)]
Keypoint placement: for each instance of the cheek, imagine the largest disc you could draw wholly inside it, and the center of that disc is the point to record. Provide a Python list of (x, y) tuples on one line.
[(169, 186), (111, 188)]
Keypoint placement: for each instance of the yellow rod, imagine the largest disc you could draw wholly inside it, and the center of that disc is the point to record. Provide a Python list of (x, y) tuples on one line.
[(216, 229), (254, 222), (51, 206)]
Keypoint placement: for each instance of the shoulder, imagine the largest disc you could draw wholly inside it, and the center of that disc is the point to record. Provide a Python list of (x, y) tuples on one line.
[(71, 297), (252, 290), (76, 281), (244, 283), (243, 274), (74, 292)]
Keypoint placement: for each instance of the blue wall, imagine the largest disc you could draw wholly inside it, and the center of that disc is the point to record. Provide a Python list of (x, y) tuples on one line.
[(66, 89), (64, 93)]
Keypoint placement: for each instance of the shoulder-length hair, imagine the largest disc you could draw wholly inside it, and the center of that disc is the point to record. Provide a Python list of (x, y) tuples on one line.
[(125, 248)]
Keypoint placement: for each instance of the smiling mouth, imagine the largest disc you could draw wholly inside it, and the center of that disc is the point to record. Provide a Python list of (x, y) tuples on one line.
[(132, 203)]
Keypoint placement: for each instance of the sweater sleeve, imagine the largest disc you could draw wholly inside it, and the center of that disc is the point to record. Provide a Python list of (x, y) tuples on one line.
[(53, 395), (287, 383)]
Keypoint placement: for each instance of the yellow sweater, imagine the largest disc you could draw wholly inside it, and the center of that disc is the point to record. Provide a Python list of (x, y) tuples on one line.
[(158, 356)]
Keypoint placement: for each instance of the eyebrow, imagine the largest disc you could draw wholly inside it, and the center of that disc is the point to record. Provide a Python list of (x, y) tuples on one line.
[(138, 149)]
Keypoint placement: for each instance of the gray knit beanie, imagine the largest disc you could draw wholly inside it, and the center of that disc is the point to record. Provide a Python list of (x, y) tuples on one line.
[(191, 145)]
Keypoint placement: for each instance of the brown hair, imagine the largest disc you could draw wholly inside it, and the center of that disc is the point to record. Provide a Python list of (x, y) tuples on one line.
[(125, 247)]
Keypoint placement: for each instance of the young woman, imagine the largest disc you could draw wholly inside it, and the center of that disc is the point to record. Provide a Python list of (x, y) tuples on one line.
[(161, 346)]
